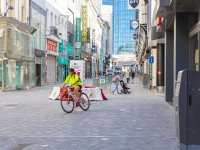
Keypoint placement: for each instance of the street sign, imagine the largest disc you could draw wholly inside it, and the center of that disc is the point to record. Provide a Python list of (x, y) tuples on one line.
[(102, 81), (134, 24), (151, 59), (132, 4)]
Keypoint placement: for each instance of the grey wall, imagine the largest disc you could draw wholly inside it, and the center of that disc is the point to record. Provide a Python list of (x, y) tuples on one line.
[(169, 63), (181, 42)]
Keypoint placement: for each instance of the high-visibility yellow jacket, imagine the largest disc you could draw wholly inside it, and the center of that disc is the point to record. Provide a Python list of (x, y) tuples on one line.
[(74, 80)]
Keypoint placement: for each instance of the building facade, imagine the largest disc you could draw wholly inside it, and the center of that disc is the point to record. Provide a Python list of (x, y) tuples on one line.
[(56, 43), (38, 21), (123, 43), (182, 34), (17, 59), (173, 40)]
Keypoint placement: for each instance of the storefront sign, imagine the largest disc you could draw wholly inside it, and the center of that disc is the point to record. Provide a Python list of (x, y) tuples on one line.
[(52, 53), (39, 53), (132, 4), (93, 41), (84, 24), (63, 55), (51, 45), (78, 29), (134, 24), (69, 48)]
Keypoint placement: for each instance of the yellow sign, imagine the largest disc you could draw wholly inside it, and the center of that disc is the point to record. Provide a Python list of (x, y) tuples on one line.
[(84, 24)]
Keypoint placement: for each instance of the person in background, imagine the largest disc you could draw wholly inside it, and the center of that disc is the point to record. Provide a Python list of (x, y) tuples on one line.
[(133, 76), (116, 81), (127, 74)]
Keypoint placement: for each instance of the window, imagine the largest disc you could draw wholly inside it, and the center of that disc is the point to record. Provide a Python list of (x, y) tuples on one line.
[(51, 19), (55, 21), (71, 16)]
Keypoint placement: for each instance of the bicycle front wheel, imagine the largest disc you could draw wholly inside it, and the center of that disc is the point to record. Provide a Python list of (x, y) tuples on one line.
[(67, 103), (85, 102)]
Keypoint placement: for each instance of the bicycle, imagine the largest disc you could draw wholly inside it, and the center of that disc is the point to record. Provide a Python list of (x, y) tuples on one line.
[(68, 101)]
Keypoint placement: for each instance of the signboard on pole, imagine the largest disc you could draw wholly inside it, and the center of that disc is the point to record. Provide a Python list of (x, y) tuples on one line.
[(102, 81), (132, 4), (151, 59), (84, 24), (78, 29), (134, 24), (78, 38), (69, 48)]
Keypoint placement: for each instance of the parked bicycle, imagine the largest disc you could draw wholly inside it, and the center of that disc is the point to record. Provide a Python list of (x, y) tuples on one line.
[(69, 101)]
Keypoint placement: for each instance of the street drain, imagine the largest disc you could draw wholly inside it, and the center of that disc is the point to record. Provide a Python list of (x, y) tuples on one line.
[(20, 146)]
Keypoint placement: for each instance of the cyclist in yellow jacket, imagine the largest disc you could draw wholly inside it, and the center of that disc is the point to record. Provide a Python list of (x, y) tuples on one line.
[(74, 81)]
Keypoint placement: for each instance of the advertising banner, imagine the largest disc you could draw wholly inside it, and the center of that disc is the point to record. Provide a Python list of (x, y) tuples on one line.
[(78, 38), (78, 29), (69, 48), (84, 24)]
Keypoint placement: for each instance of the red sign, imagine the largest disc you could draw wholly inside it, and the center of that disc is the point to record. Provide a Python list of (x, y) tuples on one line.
[(51, 45), (159, 21)]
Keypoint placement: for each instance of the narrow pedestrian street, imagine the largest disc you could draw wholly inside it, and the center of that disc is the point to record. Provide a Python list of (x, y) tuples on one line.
[(139, 121)]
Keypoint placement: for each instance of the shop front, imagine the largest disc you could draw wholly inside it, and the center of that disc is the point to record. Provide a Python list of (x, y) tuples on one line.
[(16, 55), (52, 61), (40, 67), (62, 62)]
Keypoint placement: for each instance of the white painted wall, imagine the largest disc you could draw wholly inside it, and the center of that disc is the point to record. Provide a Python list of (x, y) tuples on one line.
[(17, 11), (106, 14), (41, 3), (154, 67), (55, 8)]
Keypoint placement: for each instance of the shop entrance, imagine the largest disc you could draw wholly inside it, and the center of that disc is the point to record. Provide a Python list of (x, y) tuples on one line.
[(38, 74)]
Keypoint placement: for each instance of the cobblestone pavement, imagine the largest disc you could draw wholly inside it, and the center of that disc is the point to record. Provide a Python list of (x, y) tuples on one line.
[(139, 121)]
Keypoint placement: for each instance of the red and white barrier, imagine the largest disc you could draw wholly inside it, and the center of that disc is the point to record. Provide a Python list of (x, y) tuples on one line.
[(55, 93), (94, 93)]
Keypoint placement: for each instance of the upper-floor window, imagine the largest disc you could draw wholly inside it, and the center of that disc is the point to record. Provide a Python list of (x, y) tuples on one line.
[(71, 16), (51, 19)]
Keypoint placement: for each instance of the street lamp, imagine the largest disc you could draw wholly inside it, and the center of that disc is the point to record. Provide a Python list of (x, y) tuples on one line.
[(9, 8)]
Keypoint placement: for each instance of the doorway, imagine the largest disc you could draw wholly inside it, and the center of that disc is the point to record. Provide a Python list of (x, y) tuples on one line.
[(38, 74)]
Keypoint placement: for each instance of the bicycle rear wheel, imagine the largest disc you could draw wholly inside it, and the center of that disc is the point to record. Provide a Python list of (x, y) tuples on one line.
[(85, 102), (67, 103)]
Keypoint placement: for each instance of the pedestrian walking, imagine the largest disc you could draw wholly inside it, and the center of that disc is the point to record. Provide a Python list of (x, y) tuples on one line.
[(116, 81), (127, 74), (133, 76)]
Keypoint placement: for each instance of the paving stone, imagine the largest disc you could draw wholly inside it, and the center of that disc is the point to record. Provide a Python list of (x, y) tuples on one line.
[(139, 121)]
